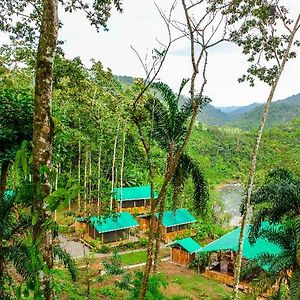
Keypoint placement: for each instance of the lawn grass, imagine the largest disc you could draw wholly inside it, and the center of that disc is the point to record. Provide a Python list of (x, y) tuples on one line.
[(183, 283), (200, 287), (138, 257), (134, 257)]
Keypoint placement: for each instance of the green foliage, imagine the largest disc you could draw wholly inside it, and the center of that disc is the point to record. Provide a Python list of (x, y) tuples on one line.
[(104, 249), (67, 260), (13, 248), (16, 117), (133, 285), (207, 229), (112, 265), (278, 201), (200, 262)]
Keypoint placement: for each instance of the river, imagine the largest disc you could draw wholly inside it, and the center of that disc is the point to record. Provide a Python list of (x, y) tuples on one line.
[(232, 194)]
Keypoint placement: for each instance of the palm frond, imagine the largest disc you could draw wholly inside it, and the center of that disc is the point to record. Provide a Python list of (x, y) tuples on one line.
[(168, 96), (295, 285), (19, 256), (263, 282), (67, 260), (186, 167)]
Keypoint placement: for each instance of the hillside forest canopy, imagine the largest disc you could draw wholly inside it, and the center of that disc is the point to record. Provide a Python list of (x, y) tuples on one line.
[(114, 186)]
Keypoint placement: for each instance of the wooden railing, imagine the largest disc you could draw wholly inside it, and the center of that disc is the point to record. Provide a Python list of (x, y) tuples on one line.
[(137, 210)]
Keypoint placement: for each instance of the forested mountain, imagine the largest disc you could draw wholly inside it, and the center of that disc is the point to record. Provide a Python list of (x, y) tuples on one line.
[(247, 117), (244, 117), (124, 79)]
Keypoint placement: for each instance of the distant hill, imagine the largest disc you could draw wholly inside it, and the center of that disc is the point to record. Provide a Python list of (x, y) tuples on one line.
[(248, 117), (125, 79), (213, 116), (244, 117), (228, 109), (281, 112)]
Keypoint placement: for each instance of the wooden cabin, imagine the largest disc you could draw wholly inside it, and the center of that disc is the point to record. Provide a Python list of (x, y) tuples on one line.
[(175, 223), (135, 200), (223, 252), (183, 251), (113, 228), (144, 221)]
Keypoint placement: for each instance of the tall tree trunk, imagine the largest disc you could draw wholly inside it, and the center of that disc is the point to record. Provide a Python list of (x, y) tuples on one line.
[(90, 176), (170, 162), (150, 234), (99, 180), (42, 135), (4, 171), (158, 236), (238, 262), (79, 175), (56, 186), (113, 167), (85, 180), (122, 165)]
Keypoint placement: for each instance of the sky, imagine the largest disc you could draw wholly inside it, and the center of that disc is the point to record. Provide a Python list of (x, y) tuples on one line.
[(140, 25)]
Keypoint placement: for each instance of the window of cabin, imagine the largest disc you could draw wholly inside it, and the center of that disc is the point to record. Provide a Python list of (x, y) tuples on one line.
[(139, 203), (127, 204)]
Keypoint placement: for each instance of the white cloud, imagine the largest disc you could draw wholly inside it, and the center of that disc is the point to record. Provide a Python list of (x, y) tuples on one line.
[(140, 25)]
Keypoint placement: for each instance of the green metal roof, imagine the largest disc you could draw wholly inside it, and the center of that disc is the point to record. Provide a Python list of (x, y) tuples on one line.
[(178, 217), (188, 244), (230, 241), (8, 194), (122, 220), (133, 193)]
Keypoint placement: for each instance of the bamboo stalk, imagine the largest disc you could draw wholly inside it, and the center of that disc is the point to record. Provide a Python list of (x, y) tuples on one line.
[(99, 180), (113, 167), (79, 175), (122, 165)]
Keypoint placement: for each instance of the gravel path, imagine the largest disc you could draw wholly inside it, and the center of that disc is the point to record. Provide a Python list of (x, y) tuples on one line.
[(76, 249)]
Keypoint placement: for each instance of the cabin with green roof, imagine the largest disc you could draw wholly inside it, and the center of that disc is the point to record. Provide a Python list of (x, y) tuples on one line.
[(115, 227), (223, 252), (175, 223), (183, 251), (135, 200)]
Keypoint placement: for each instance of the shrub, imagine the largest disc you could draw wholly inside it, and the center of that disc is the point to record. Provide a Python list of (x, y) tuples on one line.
[(143, 242), (104, 249), (133, 285), (200, 262), (113, 264)]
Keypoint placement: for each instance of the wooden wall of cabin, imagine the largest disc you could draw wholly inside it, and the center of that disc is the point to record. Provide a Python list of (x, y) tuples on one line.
[(135, 206), (168, 235), (144, 223), (108, 237), (181, 256), (114, 236)]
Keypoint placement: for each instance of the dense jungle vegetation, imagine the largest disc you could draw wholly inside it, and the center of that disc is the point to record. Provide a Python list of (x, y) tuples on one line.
[(71, 134)]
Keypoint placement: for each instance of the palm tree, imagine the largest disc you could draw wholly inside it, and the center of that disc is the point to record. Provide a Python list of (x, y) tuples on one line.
[(278, 201), (281, 268), (16, 245), (170, 127), (14, 227)]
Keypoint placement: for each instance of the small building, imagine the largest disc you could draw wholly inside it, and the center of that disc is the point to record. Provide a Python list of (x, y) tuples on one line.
[(175, 223), (135, 200), (112, 228), (183, 251), (80, 225), (223, 253)]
